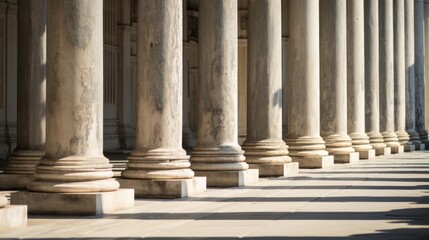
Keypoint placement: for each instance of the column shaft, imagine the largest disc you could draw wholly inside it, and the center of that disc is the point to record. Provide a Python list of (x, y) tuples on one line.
[(159, 153), (333, 76), (74, 160), (356, 76), (426, 32)]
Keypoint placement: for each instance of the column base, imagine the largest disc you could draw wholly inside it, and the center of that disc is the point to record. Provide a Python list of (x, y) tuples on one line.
[(386, 151), (13, 216), (346, 158), (15, 181), (367, 154), (229, 178), (420, 146), (315, 162), (398, 149), (83, 204), (165, 188), (277, 170), (409, 148)]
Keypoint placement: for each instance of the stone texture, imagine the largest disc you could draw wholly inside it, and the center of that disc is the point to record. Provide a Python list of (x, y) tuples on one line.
[(264, 143), (367, 155), (15, 181), (303, 85), (217, 151), (372, 106), (165, 188), (347, 158), (315, 162), (13, 217), (426, 70), (75, 203), (277, 170), (230, 178), (356, 77)]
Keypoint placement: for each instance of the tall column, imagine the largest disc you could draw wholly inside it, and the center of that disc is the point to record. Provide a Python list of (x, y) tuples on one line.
[(333, 81), (420, 70), (217, 153), (399, 75), (410, 105), (426, 32), (356, 79), (74, 162), (372, 107), (303, 137), (158, 166), (31, 96), (264, 147)]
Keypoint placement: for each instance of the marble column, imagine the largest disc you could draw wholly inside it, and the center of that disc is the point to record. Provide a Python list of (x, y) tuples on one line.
[(74, 164), (333, 81), (159, 166), (420, 70), (31, 94), (399, 75), (372, 106), (303, 137), (356, 79), (426, 32), (264, 146), (217, 154), (410, 104), (387, 84)]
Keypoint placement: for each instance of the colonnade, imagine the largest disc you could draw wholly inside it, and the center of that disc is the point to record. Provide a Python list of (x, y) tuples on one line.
[(355, 89)]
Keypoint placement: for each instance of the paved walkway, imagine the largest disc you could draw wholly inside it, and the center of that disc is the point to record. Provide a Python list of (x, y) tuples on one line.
[(385, 198)]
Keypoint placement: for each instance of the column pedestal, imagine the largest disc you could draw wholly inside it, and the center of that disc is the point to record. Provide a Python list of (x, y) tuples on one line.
[(420, 147), (366, 154), (347, 158), (13, 216), (409, 148), (386, 151), (277, 170), (322, 162), (230, 178)]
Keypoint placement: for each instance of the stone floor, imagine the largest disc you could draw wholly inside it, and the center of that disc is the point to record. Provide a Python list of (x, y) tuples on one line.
[(385, 198)]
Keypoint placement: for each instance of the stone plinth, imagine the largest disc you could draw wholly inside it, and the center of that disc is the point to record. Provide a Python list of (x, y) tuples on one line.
[(277, 170), (420, 147), (165, 188), (13, 216), (367, 155), (230, 178), (315, 162), (96, 203), (346, 158), (409, 148), (397, 149), (383, 151), (15, 181)]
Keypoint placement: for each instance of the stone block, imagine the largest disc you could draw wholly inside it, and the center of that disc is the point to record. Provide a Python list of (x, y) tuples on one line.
[(367, 155), (409, 148), (383, 151), (315, 162), (13, 216), (398, 149), (230, 178), (165, 188), (15, 181), (420, 147), (277, 170), (346, 158), (74, 203)]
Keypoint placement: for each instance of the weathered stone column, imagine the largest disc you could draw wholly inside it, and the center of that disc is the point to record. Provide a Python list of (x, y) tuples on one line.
[(217, 155), (426, 32), (74, 164), (410, 93), (399, 75), (264, 147), (158, 166), (387, 84), (303, 137), (333, 81), (372, 107), (356, 79), (31, 96), (420, 71)]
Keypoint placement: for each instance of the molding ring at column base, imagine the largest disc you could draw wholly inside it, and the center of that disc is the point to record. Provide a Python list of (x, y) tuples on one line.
[(266, 152), (105, 185), (23, 162), (219, 166), (157, 174)]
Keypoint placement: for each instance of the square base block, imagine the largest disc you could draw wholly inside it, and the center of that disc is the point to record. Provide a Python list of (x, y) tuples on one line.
[(163, 188), (83, 204), (367, 155), (346, 158), (15, 181), (398, 149), (13, 216), (409, 148), (383, 151), (420, 147), (316, 162), (277, 170), (230, 178)]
